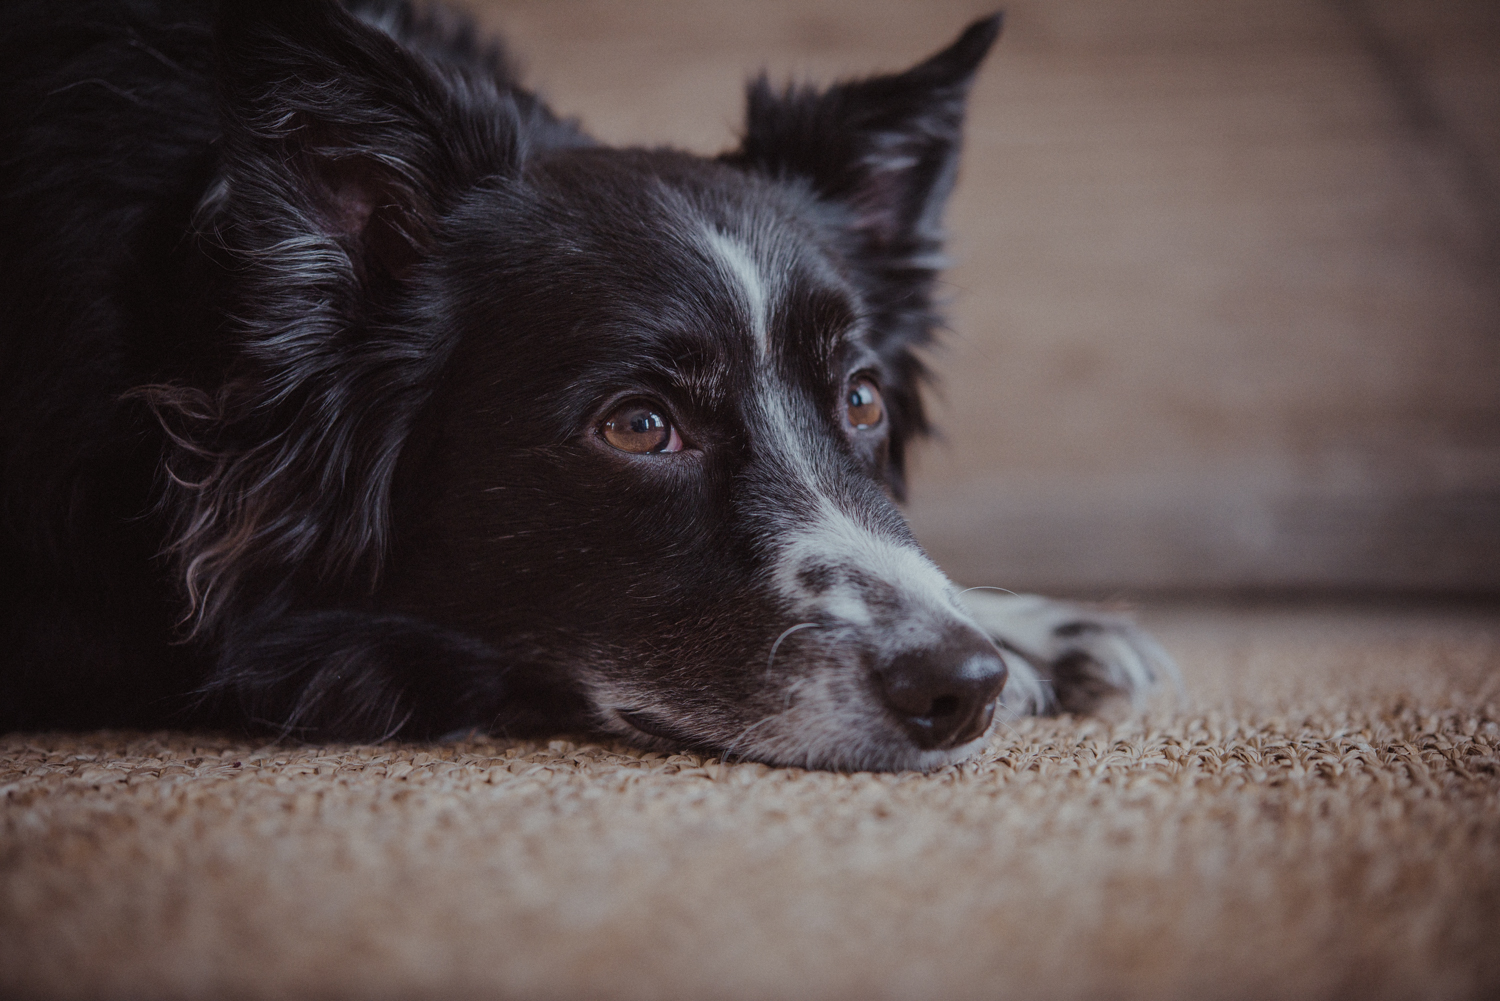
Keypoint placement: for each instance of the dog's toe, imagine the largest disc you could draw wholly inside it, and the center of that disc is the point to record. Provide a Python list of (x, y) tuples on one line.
[(1069, 658)]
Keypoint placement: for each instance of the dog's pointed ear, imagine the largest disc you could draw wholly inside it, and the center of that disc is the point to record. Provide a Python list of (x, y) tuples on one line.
[(331, 125), (885, 147), (884, 153)]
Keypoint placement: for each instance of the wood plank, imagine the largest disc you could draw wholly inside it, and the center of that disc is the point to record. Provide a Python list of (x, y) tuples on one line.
[(1226, 304)]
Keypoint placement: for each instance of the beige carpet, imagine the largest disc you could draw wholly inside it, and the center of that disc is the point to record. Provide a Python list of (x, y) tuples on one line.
[(1320, 818)]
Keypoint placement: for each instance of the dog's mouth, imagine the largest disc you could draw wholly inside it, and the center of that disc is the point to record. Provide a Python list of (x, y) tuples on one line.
[(652, 726)]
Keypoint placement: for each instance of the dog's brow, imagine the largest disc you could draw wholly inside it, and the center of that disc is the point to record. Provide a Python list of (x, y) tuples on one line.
[(702, 379), (691, 359), (820, 322)]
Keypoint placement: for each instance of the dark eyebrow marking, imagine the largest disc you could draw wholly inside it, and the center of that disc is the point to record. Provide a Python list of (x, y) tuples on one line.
[(814, 322)]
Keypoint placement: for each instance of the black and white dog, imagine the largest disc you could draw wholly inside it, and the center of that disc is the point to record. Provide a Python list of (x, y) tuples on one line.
[(346, 390)]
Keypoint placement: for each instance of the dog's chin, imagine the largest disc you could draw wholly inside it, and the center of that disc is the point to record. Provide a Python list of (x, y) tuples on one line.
[(659, 734), (873, 752), (904, 756)]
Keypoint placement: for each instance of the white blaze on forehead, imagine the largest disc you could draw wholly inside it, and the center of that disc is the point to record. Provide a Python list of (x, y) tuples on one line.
[(740, 270)]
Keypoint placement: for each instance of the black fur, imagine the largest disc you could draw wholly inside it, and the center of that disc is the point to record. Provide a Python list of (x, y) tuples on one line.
[(308, 320)]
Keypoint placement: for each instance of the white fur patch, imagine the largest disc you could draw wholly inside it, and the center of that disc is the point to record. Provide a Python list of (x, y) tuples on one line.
[(834, 538), (1043, 631), (740, 269)]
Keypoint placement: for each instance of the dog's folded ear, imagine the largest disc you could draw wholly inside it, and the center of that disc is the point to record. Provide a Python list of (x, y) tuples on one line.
[(340, 152), (332, 127), (885, 147)]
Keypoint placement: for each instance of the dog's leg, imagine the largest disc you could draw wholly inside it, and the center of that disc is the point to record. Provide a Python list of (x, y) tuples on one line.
[(1065, 657), (351, 675)]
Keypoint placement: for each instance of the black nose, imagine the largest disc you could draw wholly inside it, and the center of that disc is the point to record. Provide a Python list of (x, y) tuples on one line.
[(944, 695)]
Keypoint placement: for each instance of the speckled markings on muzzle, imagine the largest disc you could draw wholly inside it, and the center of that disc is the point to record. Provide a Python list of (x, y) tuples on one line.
[(857, 590), (859, 593)]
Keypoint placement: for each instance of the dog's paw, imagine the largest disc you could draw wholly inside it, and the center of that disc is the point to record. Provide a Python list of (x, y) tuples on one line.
[(1068, 658)]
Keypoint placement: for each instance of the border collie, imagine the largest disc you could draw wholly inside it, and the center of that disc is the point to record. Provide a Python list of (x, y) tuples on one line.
[(348, 391)]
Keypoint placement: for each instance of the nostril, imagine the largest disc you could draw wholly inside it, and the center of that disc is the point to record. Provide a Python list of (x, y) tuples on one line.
[(944, 695)]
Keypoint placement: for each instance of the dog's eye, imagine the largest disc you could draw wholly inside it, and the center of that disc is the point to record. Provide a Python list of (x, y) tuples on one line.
[(640, 427), (863, 405)]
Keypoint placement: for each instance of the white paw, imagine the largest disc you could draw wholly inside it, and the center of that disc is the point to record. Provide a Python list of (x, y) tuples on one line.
[(1065, 657)]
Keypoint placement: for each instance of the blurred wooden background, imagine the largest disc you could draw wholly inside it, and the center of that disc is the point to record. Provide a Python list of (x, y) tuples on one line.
[(1226, 300)]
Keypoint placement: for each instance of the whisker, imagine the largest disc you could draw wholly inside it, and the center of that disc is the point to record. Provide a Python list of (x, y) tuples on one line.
[(771, 660), (393, 730), (1002, 722), (729, 753), (987, 587)]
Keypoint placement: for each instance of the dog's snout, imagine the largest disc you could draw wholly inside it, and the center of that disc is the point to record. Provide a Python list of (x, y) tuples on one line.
[(944, 695)]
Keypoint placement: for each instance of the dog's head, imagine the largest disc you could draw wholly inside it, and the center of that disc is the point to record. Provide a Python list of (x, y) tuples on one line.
[(635, 419)]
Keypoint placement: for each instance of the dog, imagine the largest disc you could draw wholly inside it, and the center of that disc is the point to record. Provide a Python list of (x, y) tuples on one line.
[(350, 392)]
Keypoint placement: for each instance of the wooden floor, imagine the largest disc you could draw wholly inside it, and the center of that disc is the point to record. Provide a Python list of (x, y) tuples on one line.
[(1226, 306)]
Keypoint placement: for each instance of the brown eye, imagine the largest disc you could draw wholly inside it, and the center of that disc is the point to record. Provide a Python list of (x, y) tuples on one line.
[(864, 406), (640, 427)]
